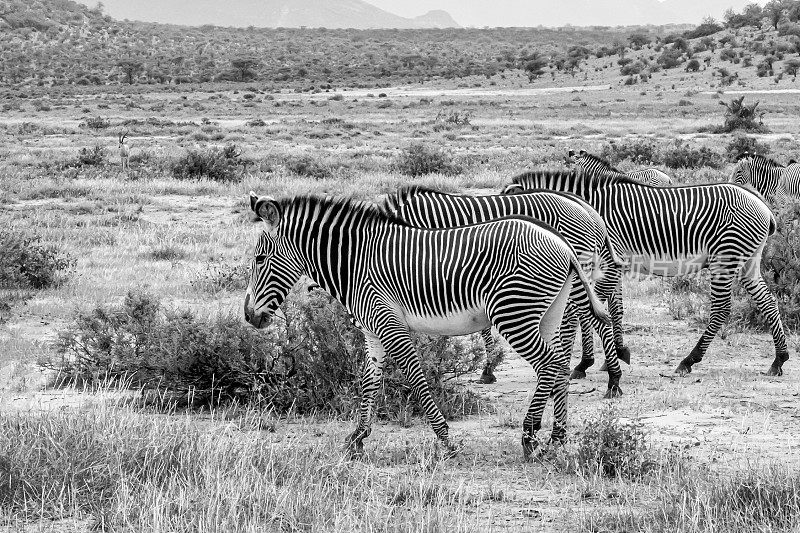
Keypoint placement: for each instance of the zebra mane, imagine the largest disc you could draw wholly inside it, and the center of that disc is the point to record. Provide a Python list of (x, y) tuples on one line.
[(600, 160), (575, 175), (339, 205), (758, 158), (395, 201)]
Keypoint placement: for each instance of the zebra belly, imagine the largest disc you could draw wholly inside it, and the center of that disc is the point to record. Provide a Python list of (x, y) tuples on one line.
[(455, 323), (667, 265)]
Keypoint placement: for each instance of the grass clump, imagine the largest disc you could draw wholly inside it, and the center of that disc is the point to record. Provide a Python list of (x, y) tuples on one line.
[(419, 160), (27, 263), (216, 164), (309, 167), (611, 446), (91, 157), (224, 277), (310, 361)]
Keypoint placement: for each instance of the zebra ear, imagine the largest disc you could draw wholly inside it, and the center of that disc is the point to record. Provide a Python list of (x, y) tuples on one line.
[(791, 162), (513, 188), (571, 154), (267, 209), (583, 152)]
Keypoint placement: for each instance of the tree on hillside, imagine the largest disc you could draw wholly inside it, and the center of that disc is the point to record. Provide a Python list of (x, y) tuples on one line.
[(131, 68), (637, 40), (790, 67), (534, 65), (244, 65), (774, 12)]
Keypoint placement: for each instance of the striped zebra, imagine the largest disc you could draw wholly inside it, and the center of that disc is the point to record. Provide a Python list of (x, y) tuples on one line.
[(776, 183), (592, 164), (670, 231), (580, 225), (513, 273)]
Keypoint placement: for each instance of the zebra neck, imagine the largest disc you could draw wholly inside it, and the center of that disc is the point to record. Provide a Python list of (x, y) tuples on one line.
[(330, 246)]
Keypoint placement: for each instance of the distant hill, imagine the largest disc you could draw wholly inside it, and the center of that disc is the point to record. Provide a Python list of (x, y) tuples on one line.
[(271, 14), (575, 12)]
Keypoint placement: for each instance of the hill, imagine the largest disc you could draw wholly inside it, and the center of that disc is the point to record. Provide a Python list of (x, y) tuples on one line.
[(272, 14)]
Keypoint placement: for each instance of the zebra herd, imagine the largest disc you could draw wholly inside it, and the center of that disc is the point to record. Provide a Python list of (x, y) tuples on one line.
[(454, 264)]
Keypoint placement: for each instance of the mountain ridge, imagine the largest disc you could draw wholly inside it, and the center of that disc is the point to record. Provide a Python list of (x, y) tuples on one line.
[(272, 14)]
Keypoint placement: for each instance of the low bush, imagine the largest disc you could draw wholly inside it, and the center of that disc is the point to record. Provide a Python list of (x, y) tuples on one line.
[(97, 123), (221, 277), (216, 164), (640, 152), (682, 155), (25, 262), (611, 446), (743, 143), (309, 167), (90, 157), (308, 361), (419, 160), (740, 116)]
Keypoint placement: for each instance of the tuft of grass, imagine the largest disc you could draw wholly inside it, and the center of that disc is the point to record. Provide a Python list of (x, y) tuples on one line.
[(419, 160), (167, 252)]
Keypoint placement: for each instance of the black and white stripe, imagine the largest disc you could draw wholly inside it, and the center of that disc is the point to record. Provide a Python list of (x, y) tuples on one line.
[(513, 273), (594, 165), (575, 220), (676, 230), (776, 183)]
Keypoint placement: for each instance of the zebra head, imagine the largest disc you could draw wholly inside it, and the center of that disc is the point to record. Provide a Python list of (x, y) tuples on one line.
[(274, 269)]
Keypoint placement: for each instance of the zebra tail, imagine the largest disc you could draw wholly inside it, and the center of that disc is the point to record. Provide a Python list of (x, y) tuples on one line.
[(595, 307), (613, 251)]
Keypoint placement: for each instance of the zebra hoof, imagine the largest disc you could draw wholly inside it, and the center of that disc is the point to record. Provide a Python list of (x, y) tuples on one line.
[(612, 392), (355, 452), (775, 371), (577, 374), (624, 354), (487, 378), (683, 369), (529, 448)]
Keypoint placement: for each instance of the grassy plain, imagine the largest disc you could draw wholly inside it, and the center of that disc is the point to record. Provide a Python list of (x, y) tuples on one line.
[(226, 471)]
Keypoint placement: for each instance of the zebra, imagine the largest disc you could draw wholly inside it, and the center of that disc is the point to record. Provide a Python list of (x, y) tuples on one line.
[(776, 183), (670, 231), (513, 273), (591, 164), (580, 225)]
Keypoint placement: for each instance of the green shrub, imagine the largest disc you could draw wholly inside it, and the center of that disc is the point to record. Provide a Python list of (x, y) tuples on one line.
[(309, 167), (739, 116), (418, 160), (682, 155), (222, 277), (216, 164), (97, 123), (25, 262), (743, 143), (308, 362), (640, 152), (612, 446), (91, 157)]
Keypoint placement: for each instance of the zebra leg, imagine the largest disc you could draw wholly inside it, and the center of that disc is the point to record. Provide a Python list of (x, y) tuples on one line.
[(370, 383), (722, 276), (530, 339), (561, 388), (398, 344), (755, 285), (494, 356)]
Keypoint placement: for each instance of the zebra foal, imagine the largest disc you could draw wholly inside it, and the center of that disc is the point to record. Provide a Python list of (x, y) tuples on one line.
[(514, 274)]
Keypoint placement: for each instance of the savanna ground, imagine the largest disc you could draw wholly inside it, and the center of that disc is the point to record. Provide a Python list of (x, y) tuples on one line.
[(222, 472)]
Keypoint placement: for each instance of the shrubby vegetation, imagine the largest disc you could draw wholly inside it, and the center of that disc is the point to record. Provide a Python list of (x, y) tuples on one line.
[(419, 160), (27, 263), (215, 164), (309, 362)]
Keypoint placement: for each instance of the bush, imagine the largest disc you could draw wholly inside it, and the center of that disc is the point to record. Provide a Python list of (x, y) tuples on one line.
[(743, 143), (222, 277), (309, 167), (780, 266), (681, 155), (640, 152), (91, 157), (97, 123), (739, 116), (418, 160), (311, 362), (27, 263), (613, 447), (215, 164)]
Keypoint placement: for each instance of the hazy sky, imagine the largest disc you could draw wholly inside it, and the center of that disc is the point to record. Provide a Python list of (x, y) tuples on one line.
[(524, 12)]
